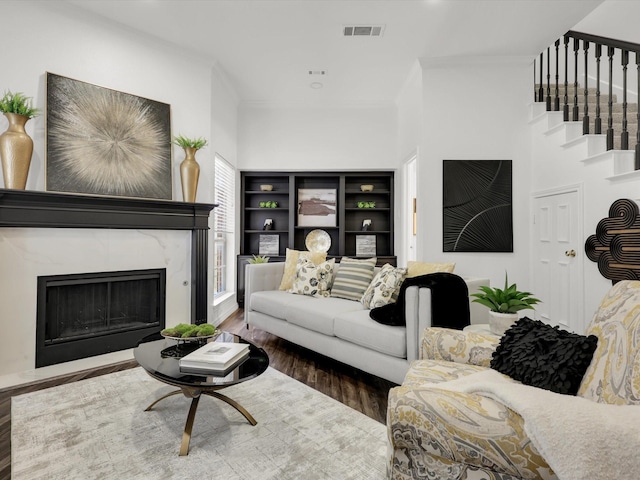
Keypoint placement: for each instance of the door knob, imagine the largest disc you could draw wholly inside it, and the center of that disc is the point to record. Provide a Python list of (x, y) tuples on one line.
[(570, 253)]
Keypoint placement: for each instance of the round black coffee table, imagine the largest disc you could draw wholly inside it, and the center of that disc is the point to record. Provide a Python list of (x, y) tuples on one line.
[(159, 357)]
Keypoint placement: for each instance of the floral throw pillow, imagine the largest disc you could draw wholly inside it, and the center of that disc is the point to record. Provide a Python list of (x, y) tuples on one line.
[(291, 263), (384, 287), (313, 280)]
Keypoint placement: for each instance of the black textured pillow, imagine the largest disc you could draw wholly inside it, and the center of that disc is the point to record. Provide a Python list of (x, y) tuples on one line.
[(543, 356)]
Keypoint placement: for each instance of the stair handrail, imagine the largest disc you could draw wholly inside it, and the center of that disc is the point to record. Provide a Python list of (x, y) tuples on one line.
[(583, 40)]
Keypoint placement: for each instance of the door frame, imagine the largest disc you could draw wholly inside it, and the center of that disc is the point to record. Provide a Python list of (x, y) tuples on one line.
[(409, 202), (565, 189)]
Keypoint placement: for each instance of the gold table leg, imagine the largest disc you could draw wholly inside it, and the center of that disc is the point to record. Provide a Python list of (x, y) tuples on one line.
[(194, 394), (162, 398), (186, 436), (234, 404)]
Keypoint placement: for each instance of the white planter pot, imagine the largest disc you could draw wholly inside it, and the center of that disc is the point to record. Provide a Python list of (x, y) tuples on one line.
[(500, 322)]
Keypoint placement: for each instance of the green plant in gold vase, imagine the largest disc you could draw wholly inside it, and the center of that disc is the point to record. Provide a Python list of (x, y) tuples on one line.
[(16, 146), (189, 168)]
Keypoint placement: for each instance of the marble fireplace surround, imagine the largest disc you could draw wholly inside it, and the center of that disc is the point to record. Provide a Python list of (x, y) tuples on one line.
[(99, 233)]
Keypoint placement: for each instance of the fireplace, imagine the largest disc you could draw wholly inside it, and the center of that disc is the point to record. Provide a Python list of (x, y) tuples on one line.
[(87, 314), (47, 233)]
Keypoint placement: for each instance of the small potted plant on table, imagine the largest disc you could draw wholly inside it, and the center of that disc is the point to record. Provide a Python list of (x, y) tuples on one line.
[(504, 304)]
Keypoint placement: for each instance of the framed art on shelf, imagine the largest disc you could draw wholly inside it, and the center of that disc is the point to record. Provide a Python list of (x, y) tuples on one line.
[(317, 207), (269, 245), (104, 142), (365, 245)]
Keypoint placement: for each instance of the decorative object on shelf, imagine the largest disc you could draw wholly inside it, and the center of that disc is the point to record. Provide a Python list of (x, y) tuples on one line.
[(317, 207), (269, 204), (366, 188), (268, 224), (259, 258), (16, 147), (366, 204), (266, 188), (318, 241), (269, 245), (366, 225), (504, 304), (104, 142), (365, 245), (189, 168), (477, 206)]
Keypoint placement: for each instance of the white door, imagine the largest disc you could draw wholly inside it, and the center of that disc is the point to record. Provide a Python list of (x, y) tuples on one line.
[(558, 251), (410, 207)]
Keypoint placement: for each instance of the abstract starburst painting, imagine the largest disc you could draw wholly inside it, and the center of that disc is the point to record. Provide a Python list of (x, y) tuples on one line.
[(104, 142), (477, 206)]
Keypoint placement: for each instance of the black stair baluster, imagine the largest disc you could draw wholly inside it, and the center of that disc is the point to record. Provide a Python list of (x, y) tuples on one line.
[(576, 111), (610, 53), (541, 87), (598, 120), (556, 98), (535, 91), (637, 155), (624, 136), (585, 118), (548, 79), (565, 108)]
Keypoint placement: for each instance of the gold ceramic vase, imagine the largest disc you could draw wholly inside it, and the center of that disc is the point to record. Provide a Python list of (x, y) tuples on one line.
[(189, 174), (16, 148)]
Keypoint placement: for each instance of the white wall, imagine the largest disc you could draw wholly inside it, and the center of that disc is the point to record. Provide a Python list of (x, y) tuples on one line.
[(475, 109), (224, 133), (410, 130), (320, 138), (67, 42)]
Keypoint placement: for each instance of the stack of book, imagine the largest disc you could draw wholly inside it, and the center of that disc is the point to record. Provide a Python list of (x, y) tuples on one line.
[(215, 358)]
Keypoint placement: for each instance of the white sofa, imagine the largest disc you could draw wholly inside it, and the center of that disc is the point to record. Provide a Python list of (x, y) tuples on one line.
[(342, 329)]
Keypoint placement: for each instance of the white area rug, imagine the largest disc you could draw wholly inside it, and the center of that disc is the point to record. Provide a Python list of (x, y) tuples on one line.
[(97, 428)]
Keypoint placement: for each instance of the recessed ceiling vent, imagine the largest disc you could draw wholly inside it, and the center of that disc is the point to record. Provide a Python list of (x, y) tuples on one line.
[(363, 30)]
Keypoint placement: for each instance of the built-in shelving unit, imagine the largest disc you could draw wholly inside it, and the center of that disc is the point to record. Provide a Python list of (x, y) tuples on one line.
[(349, 214)]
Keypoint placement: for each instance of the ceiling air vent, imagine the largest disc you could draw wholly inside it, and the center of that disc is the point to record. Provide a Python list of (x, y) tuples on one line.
[(363, 30)]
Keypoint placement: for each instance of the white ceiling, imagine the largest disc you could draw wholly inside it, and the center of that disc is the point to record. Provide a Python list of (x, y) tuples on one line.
[(267, 47)]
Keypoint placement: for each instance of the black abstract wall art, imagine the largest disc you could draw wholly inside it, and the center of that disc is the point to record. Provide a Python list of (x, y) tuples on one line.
[(477, 206)]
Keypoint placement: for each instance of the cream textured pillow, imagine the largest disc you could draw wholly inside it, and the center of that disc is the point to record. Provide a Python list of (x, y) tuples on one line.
[(291, 262), (352, 278), (311, 279), (415, 269), (384, 287)]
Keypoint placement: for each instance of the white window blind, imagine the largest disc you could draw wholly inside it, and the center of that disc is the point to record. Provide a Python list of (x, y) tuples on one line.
[(223, 227)]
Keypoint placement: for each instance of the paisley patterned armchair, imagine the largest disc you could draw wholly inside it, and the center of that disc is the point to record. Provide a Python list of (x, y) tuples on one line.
[(440, 434)]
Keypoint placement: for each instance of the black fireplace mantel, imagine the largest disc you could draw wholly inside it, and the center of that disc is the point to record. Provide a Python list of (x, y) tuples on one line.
[(35, 209)]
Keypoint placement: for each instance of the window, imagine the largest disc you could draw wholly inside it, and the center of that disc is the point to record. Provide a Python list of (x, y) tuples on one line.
[(223, 227)]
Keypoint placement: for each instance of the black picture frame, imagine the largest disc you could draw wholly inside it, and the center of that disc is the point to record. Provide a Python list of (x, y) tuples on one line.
[(101, 141), (477, 206)]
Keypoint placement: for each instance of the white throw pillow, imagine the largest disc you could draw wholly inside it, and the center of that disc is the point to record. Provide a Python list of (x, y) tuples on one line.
[(384, 287)]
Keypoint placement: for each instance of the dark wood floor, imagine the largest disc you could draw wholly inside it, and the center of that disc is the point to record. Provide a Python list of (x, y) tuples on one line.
[(360, 391)]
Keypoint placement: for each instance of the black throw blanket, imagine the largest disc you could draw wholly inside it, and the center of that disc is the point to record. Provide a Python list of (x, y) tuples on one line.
[(449, 302)]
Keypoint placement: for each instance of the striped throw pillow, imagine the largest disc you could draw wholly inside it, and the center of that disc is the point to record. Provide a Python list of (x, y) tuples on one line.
[(352, 278)]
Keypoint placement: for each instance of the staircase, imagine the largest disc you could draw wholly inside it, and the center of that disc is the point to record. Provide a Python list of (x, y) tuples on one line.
[(616, 113), (601, 64)]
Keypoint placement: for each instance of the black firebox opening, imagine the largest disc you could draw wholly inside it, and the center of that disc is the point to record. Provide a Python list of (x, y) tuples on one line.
[(87, 314)]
